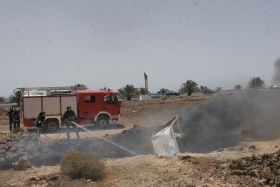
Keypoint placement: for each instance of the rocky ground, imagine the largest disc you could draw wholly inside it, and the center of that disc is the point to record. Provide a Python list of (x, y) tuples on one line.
[(253, 162)]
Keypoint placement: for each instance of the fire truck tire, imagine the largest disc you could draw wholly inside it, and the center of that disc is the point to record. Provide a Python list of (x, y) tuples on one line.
[(103, 120), (52, 124)]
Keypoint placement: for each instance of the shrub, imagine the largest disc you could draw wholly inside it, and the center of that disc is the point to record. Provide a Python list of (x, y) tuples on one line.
[(22, 165), (81, 165)]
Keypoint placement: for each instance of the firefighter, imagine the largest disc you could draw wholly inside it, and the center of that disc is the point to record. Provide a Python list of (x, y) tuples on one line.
[(10, 115), (69, 117), (41, 120), (16, 119)]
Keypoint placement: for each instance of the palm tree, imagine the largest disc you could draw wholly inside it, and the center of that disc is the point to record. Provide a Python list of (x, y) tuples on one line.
[(128, 91), (79, 87), (206, 90), (218, 89), (188, 87), (143, 91), (16, 97), (256, 82), (238, 87), (164, 91)]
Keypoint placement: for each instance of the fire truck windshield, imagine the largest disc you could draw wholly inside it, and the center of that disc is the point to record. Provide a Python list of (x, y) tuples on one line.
[(110, 99)]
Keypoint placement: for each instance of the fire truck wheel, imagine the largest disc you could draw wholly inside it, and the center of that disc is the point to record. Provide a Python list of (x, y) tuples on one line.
[(52, 124), (103, 120)]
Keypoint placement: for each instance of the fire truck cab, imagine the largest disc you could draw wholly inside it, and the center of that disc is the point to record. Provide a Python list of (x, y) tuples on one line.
[(91, 106)]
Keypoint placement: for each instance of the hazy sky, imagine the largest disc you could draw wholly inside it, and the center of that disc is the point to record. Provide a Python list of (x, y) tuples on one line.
[(110, 43)]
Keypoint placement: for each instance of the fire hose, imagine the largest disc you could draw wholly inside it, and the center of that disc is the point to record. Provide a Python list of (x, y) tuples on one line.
[(38, 134), (107, 140), (102, 138)]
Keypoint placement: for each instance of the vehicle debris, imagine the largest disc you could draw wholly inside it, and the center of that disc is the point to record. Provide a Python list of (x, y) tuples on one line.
[(165, 141)]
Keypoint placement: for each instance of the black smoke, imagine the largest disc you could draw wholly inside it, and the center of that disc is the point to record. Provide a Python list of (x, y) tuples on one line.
[(224, 120)]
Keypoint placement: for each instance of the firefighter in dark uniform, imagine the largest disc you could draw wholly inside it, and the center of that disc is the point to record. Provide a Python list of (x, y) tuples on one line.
[(69, 117), (41, 120), (10, 115), (16, 119)]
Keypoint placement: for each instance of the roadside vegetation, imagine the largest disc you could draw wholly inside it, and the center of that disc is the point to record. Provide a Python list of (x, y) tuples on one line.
[(189, 87), (256, 82), (128, 91), (238, 87), (16, 97)]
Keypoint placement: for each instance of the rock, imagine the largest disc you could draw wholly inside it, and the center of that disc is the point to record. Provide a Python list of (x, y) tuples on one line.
[(185, 157), (2, 151), (3, 141), (252, 147), (263, 181), (238, 172)]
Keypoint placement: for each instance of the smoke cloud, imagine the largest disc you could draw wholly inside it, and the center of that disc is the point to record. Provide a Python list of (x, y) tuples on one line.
[(224, 120), (276, 75)]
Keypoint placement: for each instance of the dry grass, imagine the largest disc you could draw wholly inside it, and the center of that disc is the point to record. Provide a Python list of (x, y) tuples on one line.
[(79, 165), (17, 130), (67, 182)]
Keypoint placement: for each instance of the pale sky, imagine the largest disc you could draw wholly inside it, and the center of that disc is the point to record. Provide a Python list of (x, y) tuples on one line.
[(111, 43)]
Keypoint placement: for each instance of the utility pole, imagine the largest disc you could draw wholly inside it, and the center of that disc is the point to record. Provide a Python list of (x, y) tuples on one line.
[(146, 82)]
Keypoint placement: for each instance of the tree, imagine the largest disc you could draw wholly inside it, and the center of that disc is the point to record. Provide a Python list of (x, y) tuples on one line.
[(188, 87), (203, 88), (206, 90), (164, 91), (238, 87), (256, 82), (2, 99), (218, 89), (79, 87), (16, 97), (128, 91), (143, 91)]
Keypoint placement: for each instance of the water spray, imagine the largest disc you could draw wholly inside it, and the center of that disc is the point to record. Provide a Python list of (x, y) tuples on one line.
[(107, 140)]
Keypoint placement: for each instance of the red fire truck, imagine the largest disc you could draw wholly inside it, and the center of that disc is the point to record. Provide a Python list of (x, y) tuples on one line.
[(91, 106)]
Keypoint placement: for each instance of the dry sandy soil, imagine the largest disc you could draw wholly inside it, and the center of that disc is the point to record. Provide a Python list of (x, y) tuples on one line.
[(193, 169)]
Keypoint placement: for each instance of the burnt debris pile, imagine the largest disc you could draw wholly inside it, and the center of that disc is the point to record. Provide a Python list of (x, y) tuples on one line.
[(264, 167), (224, 120)]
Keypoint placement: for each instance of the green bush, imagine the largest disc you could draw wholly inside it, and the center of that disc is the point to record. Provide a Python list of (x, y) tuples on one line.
[(81, 165)]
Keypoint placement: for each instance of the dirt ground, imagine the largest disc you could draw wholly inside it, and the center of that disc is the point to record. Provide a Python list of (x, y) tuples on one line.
[(185, 169)]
